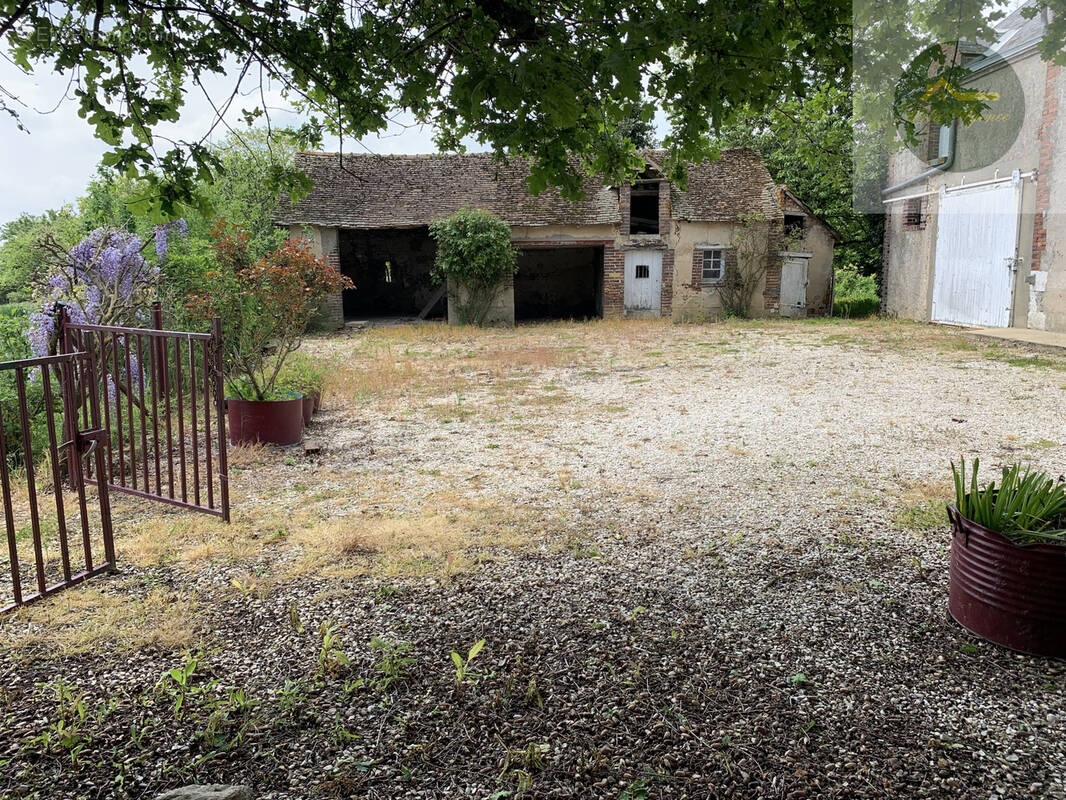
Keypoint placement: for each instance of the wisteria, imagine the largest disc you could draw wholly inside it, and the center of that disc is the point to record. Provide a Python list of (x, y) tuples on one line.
[(104, 280), (162, 236)]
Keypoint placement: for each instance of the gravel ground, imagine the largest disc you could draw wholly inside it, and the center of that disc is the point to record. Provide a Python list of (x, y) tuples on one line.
[(705, 561)]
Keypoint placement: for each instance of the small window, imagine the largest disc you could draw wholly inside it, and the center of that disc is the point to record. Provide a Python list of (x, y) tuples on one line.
[(914, 214), (932, 143), (713, 266), (644, 208), (643, 271), (794, 224)]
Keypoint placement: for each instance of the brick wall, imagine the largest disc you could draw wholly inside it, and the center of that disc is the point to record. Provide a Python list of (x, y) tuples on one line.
[(613, 280), (623, 209), (330, 314), (666, 221), (1047, 145), (771, 296), (667, 296)]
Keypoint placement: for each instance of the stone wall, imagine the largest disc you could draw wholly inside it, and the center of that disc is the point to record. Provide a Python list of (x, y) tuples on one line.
[(324, 242)]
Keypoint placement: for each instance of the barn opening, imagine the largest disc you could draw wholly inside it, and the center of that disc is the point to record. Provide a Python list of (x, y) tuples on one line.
[(391, 272), (559, 283), (644, 207)]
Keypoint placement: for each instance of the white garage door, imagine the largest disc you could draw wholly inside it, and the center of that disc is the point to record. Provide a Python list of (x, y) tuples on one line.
[(976, 246)]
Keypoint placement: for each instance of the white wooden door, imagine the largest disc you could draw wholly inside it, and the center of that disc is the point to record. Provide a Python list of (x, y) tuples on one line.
[(794, 287), (643, 287), (976, 246)]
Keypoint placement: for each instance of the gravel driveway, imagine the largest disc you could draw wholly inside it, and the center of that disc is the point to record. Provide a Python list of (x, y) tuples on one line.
[(706, 561)]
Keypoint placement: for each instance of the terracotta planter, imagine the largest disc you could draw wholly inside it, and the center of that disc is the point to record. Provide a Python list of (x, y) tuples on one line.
[(1011, 595), (265, 421), (308, 409)]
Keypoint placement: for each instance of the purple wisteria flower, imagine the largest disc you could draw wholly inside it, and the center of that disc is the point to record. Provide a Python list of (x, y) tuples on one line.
[(105, 280), (161, 232)]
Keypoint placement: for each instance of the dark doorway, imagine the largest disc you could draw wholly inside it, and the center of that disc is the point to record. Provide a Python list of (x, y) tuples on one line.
[(391, 272), (644, 208), (559, 283)]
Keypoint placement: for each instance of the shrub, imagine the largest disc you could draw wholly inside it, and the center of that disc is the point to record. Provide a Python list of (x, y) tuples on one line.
[(854, 294), (475, 256), (301, 374), (265, 306), (103, 280)]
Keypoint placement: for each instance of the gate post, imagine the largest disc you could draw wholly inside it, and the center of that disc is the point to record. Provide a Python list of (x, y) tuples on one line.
[(220, 403), (162, 373)]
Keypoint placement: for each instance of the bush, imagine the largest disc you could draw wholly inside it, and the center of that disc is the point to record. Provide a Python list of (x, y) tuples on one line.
[(265, 305), (475, 256), (855, 295), (301, 374)]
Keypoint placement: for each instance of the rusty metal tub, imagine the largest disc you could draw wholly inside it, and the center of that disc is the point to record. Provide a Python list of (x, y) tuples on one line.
[(1011, 595)]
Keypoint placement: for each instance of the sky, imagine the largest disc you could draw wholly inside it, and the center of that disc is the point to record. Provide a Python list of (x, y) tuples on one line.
[(49, 166)]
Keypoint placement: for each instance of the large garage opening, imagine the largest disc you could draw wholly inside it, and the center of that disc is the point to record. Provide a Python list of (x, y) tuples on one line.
[(559, 283), (391, 272)]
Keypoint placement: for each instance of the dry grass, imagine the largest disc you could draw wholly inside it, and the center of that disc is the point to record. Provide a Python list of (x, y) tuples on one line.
[(921, 505), (433, 541), (82, 620)]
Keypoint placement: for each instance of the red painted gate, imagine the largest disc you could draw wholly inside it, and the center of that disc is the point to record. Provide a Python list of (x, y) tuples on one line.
[(139, 411), (51, 545)]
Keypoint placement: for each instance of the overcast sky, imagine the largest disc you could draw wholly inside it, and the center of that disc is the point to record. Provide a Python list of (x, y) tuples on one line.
[(49, 166)]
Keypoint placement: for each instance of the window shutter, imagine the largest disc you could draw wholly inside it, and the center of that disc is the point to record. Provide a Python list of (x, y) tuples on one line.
[(729, 255)]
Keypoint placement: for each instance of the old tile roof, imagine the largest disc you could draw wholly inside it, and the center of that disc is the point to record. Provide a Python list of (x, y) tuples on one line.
[(370, 191), (722, 190), (396, 191)]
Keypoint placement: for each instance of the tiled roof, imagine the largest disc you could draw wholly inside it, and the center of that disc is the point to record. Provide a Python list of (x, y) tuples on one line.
[(371, 191), (723, 190)]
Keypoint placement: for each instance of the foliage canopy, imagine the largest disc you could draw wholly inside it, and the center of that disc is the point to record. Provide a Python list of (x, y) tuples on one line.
[(535, 79)]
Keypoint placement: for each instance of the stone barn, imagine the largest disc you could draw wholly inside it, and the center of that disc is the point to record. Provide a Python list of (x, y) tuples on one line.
[(642, 249)]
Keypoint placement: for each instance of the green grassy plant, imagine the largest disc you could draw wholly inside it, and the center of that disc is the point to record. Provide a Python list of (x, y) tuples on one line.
[(1028, 506)]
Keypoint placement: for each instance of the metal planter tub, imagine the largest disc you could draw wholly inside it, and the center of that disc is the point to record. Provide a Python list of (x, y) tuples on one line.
[(266, 421), (1012, 595)]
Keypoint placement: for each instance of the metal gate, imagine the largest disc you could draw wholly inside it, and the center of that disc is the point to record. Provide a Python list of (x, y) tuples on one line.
[(976, 254), (164, 410), (41, 552), (139, 411)]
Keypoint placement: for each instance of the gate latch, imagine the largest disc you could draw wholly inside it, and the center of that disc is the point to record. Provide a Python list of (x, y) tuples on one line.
[(86, 441)]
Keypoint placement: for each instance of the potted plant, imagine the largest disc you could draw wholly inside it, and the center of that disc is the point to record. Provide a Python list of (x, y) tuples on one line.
[(305, 378), (265, 305), (1008, 559)]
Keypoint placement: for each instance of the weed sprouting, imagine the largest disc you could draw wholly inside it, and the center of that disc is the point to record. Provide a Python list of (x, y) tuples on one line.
[(67, 731), (177, 684), (331, 658), (392, 664), (462, 666)]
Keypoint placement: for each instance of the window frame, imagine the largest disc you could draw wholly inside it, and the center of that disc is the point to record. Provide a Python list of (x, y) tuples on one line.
[(914, 214), (704, 252)]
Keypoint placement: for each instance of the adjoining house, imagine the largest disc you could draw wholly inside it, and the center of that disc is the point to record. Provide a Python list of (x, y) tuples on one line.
[(642, 249), (972, 230)]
